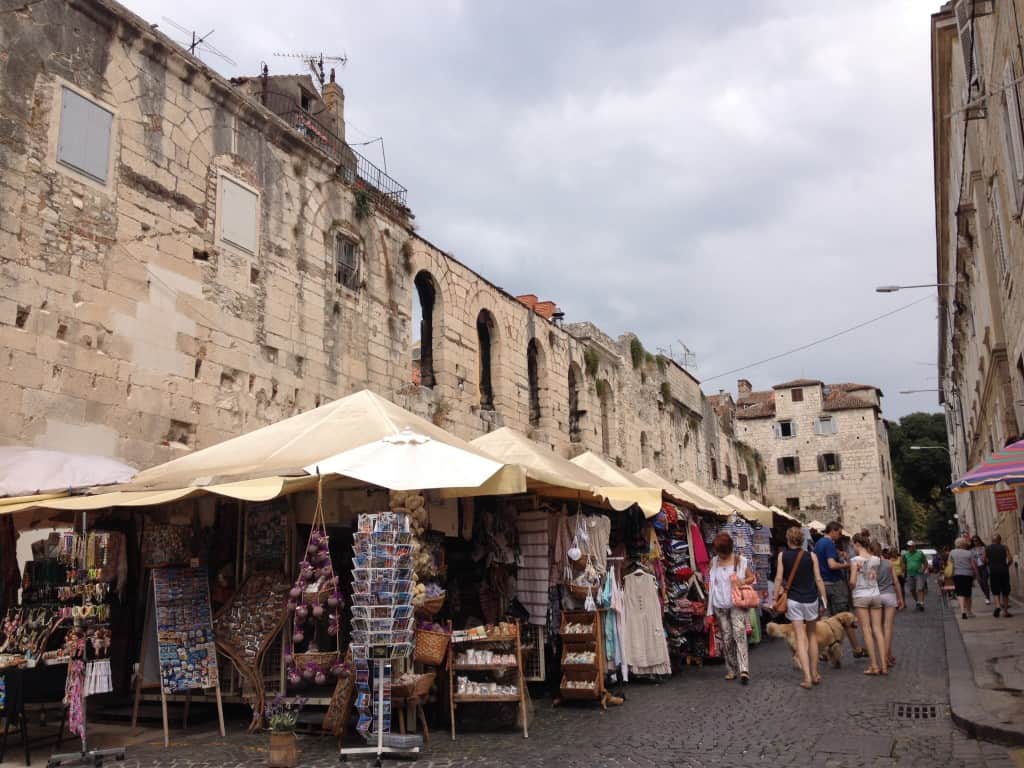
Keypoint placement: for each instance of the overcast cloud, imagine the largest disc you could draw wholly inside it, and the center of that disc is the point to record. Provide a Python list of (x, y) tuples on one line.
[(737, 175)]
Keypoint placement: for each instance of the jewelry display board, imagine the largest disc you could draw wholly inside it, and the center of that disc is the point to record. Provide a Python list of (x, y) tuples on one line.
[(266, 538), (246, 627)]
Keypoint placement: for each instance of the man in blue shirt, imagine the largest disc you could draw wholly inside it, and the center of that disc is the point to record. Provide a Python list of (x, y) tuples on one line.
[(834, 569)]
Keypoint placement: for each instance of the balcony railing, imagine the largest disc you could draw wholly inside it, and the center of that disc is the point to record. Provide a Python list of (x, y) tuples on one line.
[(352, 166)]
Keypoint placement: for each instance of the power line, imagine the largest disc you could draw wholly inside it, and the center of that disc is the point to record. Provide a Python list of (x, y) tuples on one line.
[(815, 343)]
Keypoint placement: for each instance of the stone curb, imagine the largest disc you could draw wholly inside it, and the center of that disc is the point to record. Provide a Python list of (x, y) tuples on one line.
[(964, 697)]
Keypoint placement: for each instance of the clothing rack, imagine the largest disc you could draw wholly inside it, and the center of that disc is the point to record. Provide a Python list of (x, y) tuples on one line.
[(90, 757)]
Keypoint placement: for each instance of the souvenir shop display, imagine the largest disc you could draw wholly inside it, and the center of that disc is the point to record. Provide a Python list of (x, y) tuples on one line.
[(485, 665), (266, 536), (314, 604), (245, 629), (743, 541), (181, 624), (382, 622), (646, 649), (685, 602), (165, 544), (583, 657)]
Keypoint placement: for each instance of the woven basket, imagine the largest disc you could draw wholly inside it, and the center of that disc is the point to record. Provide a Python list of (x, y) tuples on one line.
[(325, 659), (580, 593), (430, 647), (579, 564), (431, 606)]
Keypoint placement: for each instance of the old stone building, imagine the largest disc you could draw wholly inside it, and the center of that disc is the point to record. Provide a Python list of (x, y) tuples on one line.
[(824, 448), (977, 65), (186, 258)]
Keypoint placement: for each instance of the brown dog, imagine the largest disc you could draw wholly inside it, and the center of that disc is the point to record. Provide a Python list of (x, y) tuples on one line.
[(830, 632)]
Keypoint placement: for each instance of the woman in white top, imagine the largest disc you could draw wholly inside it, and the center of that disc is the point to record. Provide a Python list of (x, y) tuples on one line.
[(732, 621), (867, 602)]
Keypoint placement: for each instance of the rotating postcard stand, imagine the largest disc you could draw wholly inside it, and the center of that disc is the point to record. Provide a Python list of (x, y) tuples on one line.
[(90, 757), (382, 628)]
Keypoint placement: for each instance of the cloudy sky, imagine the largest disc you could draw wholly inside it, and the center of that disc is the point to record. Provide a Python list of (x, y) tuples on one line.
[(738, 176)]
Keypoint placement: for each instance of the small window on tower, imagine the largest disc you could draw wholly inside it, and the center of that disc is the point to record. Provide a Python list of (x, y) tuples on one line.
[(346, 262), (798, 395)]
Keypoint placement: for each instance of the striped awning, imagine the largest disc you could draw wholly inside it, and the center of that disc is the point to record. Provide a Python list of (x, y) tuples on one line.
[(1005, 466)]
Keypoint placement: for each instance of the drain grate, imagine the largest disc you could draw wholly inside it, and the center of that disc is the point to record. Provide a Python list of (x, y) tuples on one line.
[(914, 711)]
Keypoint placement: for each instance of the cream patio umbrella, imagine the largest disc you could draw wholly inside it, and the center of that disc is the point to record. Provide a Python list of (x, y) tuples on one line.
[(288, 446), (650, 477), (410, 461), (621, 481), (748, 510), (711, 502), (548, 474)]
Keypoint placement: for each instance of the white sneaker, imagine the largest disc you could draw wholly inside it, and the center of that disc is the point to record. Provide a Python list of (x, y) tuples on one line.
[(988, 602)]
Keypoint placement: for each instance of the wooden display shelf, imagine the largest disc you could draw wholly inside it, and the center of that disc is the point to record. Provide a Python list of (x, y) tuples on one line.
[(496, 670), (463, 697), (484, 667), (592, 641)]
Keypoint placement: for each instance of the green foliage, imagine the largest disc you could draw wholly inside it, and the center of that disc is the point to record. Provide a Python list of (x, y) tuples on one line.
[(603, 388), (666, 392), (924, 505), (362, 205), (648, 359), (662, 362), (591, 361), (636, 352)]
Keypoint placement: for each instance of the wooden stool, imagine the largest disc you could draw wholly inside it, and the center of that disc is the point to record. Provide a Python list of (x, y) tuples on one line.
[(417, 697)]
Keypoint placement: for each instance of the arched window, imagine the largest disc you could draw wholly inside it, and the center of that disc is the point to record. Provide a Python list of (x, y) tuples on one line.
[(604, 393), (575, 377), (486, 336), (423, 320), (533, 364), (645, 450)]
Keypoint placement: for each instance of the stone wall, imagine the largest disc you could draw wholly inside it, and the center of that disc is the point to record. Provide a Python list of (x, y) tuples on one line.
[(133, 325)]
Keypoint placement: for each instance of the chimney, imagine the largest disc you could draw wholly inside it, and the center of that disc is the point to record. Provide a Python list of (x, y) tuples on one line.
[(334, 100), (743, 387)]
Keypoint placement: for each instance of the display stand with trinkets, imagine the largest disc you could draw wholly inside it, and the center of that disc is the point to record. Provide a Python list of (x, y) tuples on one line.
[(88, 643), (382, 624), (496, 652)]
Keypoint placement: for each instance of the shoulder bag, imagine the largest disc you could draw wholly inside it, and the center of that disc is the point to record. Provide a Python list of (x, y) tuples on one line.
[(781, 601), (743, 595)]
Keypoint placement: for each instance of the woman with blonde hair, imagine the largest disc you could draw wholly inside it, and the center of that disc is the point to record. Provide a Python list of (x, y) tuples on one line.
[(892, 598), (867, 602), (806, 590)]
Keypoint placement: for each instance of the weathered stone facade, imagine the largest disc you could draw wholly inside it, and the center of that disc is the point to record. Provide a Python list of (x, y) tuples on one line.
[(234, 263), (825, 449), (979, 198)]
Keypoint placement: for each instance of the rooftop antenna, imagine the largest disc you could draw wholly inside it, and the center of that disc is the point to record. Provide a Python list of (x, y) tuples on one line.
[(315, 62), (688, 357), (199, 44)]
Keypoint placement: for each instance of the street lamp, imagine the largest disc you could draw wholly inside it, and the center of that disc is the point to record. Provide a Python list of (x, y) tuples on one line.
[(930, 448), (914, 391), (894, 288)]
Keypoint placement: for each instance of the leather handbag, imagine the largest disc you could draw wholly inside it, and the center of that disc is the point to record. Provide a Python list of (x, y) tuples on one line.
[(743, 595), (781, 601)]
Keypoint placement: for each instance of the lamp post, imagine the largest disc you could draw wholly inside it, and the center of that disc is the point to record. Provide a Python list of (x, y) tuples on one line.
[(930, 448), (894, 288)]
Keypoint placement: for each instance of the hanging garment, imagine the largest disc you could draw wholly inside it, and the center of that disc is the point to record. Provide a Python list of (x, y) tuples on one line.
[(560, 539), (599, 530), (74, 698), (644, 633), (617, 609), (700, 551), (533, 575)]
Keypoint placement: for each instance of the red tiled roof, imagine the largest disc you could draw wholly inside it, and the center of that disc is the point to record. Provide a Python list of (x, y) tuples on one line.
[(851, 387), (756, 405), (839, 400), (797, 383), (545, 309)]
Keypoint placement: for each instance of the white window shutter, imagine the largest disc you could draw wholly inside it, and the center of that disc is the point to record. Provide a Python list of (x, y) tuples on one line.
[(968, 48), (238, 214), (997, 230), (84, 140), (1016, 136)]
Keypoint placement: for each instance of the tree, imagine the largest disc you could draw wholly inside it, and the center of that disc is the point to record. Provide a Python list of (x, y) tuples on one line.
[(921, 479)]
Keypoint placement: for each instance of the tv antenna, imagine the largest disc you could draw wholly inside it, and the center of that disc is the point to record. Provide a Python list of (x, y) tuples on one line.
[(688, 358), (199, 44), (315, 62)]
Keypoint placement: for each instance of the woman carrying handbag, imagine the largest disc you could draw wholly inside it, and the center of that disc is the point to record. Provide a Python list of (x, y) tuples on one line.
[(730, 574), (799, 600)]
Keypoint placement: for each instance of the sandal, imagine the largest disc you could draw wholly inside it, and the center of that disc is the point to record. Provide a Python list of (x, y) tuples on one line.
[(871, 671), (861, 654), (816, 680), (730, 676), (806, 686), (744, 678)]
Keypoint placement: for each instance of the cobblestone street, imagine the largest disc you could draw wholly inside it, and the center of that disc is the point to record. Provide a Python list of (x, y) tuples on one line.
[(697, 718)]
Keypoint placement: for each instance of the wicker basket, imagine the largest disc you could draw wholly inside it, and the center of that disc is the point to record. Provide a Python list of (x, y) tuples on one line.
[(431, 606), (431, 647), (326, 659), (580, 593)]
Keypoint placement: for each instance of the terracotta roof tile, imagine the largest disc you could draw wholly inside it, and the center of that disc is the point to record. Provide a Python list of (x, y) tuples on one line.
[(851, 387), (839, 400), (756, 405), (797, 383)]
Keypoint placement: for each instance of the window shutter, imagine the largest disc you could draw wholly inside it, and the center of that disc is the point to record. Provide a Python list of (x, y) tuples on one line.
[(237, 214), (997, 230), (821, 462), (796, 463), (792, 429), (84, 140), (1015, 137), (781, 467), (839, 464), (965, 29), (776, 429)]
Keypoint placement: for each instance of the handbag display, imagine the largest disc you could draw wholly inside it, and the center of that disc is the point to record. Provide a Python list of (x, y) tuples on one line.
[(781, 601)]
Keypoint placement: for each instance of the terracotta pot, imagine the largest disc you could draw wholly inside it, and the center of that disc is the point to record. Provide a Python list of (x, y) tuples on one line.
[(283, 752)]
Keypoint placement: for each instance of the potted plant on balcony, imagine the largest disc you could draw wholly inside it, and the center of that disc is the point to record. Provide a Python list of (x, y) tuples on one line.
[(282, 715)]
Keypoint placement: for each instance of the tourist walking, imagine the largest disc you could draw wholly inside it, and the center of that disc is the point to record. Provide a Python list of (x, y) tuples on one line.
[(915, 565), (898, 572), (892, 598), (834, 568), (732, 621), (981, 563), (964, 574), (799, 569), (867, 602), (999, 561)]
